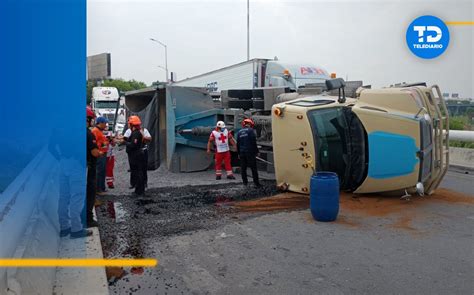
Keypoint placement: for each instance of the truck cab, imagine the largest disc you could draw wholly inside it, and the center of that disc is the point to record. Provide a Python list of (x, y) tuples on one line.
[(104, 103), (383, 140)]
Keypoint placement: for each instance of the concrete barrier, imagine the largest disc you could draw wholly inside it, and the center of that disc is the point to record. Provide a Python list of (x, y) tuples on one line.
[(29, 228), (28, 217), (461, 158)]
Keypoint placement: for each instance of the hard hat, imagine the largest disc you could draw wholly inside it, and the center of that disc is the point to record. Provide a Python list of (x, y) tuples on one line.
[(220, 124), (101, 120), (133, 117), (134, 120), (89, 112), (248, 121)]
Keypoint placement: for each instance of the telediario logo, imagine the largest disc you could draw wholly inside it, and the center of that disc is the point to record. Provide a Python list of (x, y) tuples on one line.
[(427, 37)]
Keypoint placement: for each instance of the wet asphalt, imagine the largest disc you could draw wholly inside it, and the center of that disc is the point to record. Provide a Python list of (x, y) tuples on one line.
[(204, 247)]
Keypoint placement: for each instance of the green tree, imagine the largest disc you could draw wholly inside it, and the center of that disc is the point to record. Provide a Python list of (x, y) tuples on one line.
[(457, 123), (121, 84), (470, 113)]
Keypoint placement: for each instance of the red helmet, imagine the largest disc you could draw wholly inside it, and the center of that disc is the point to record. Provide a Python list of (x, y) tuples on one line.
[(134, 120), (248, 121), (89, 112)]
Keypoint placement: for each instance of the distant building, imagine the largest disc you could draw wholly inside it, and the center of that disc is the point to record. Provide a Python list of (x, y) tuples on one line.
[(99, 67)]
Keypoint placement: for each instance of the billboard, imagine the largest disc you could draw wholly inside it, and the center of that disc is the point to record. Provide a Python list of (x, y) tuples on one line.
[(99, 67)]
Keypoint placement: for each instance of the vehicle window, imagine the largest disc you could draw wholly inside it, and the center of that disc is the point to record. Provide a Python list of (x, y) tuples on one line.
[(329, 129), (105, 104), (311, 103)]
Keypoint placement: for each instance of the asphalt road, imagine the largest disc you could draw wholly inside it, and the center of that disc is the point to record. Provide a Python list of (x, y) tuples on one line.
[(459, 180), (377, 246)]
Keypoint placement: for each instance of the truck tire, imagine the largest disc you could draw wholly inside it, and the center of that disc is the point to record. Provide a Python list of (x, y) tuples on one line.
[(240, 93), (259, 104), (244, 104)]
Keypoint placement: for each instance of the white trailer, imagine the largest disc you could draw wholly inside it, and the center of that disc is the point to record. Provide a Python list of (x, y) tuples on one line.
[(257, 73)]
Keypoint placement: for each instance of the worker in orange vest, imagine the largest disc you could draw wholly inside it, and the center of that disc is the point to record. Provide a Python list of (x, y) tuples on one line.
[(221, 138), (103, 145)]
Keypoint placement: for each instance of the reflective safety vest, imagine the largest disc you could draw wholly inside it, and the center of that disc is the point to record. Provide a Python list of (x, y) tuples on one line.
[(221, 140)]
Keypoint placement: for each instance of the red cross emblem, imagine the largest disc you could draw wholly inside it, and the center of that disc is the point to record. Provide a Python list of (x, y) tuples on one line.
[(222, 138)]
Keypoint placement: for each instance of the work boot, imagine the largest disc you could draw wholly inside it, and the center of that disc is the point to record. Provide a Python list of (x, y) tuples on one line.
[(230, 176), (218, 177), (81, 234), (92, 223), (65, 232)]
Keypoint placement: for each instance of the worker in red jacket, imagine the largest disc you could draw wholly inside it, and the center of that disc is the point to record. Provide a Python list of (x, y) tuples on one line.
[(221, 138)]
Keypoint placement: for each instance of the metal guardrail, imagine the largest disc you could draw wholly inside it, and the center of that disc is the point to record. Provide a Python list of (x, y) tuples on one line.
[(461, 135)]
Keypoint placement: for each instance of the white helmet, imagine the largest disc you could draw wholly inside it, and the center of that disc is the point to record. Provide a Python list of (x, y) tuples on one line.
[(220, 124)]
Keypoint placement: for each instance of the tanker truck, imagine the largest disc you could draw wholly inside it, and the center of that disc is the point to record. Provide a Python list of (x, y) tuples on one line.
[(256, 73)]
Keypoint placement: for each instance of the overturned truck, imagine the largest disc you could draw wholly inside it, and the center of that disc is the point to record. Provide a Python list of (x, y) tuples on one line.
[(393, 139)]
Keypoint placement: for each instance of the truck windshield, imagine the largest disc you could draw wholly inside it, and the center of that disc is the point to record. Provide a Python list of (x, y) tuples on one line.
[(105, 104), (329, 130), (340, 142)]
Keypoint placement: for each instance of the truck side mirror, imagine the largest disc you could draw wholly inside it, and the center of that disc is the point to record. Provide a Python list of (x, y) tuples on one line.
[(339, 84)]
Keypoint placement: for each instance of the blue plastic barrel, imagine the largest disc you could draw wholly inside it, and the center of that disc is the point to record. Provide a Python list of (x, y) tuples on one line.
[(324, 196)]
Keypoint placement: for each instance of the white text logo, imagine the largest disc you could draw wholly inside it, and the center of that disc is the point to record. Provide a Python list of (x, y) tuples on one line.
[(430, 38)]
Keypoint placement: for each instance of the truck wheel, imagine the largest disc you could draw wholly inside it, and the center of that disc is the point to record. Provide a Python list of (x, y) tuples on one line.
[(240, 104), (259, 104), (240, 93)]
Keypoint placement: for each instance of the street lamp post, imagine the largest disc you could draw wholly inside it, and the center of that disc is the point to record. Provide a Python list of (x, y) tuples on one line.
[(166, 56), (248, 29)]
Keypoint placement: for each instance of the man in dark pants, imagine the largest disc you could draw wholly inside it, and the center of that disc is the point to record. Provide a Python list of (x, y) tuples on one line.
[(248, 151), (103, 145), (146, 139), (92, 154), (134, 150)]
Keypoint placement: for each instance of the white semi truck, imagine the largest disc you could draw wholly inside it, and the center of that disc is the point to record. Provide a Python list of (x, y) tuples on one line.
[(257, 73), (105, 101)]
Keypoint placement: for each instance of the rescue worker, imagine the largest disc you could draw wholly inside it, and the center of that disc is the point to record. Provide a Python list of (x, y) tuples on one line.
[(221, 137), (248, 151), (93, 153), (103, 145), (110, 163), (146, 139), (134, 149)]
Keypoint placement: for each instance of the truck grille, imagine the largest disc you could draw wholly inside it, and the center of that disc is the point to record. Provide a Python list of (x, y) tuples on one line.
[(110, 117)]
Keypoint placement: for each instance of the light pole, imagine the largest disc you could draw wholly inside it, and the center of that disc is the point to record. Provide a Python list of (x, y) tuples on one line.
[(166, 56), (248, 29)]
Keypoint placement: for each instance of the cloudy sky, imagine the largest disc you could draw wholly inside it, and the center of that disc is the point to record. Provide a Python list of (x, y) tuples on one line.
[(364, 40)]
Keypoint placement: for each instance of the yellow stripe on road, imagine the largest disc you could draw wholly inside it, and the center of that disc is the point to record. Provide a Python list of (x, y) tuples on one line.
[(73, 262), (460, 23)]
